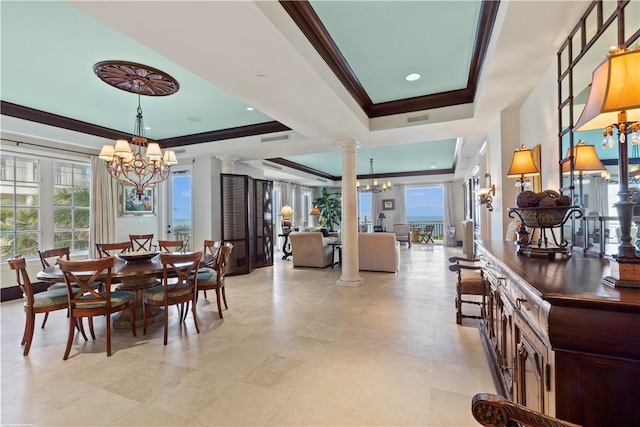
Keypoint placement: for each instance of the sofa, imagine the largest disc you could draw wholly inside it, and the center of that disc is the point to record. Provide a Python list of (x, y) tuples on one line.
[(311, 249), (378, 252)]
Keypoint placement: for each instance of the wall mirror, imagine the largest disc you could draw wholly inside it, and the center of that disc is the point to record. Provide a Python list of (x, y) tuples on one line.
[(604, 24)]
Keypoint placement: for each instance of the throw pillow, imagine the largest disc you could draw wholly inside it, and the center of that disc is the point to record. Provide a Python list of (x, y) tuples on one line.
[(325, 232)]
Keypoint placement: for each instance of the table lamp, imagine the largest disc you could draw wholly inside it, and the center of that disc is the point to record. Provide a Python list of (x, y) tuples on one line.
[(522, 167), (614, 102), (585, 161), (286, 212), (381, 216), (315, 212)]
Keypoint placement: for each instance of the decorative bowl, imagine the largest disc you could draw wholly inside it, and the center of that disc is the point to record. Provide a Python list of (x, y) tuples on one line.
[(139, 256), (544, 217)]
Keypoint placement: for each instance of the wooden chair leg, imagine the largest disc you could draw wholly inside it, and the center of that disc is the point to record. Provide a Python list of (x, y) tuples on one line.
[(80, 327), (218, 301), (44, 321), (145, 314), (72, 329), (107, 325), (224, 298), (27, 337), (93, 334), (133, 319), (166, 324), (186, 311), (193, 313)]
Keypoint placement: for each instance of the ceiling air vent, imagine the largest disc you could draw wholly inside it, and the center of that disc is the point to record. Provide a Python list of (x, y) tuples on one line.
[(422, 118), (275, 138), (182, 151), (321, 180)]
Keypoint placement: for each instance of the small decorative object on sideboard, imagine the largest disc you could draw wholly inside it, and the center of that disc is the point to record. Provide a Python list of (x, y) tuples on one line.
[(542, 212)]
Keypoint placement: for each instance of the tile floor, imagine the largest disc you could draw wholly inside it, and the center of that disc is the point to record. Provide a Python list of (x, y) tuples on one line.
[(293, 349)]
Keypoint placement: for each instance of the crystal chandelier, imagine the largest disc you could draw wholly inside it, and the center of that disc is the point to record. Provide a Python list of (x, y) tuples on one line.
[(138, 163), (372, 186)]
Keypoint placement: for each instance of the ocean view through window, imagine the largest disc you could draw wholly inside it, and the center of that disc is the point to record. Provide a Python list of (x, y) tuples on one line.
[(425, 204)]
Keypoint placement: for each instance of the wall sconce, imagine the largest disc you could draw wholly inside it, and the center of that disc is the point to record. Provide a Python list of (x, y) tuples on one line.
[(484, 194)]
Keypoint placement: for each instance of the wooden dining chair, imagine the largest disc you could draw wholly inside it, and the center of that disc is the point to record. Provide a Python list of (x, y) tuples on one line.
[(48, 258), (470, 281), (41, 302), (214, 279), (182, 291), (173, 245), (105, 249), (141, 242), (87, 301)]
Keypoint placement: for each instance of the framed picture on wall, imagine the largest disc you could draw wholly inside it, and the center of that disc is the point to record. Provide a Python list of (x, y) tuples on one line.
[(131, 204), (388, 204)]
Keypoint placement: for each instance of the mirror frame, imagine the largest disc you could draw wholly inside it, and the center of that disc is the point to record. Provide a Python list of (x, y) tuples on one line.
[(567, 60)]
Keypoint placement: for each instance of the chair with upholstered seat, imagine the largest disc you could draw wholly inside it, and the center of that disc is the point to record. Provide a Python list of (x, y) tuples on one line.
[(184, 267), (470, 282), (86, 301), (48, 258), (403, 233), (42, 302), (141, 242), (111, 249), (172, 245), (214, 279)]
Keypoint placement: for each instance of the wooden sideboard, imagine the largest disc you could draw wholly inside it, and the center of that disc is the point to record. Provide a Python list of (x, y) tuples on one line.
[(560, 342)]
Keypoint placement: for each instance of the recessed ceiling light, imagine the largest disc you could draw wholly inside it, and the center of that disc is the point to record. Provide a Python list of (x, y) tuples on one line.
[(433, 166), (412, 77), (147, 128), (249, 108)]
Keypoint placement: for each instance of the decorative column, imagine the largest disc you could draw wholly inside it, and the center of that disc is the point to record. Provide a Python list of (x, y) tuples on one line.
[(349, 229), (227, 163)]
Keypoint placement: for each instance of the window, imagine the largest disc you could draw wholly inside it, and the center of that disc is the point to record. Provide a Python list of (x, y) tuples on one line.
[(44, 203), (364, 211), (19, 206), (424, 204), (71, 210)]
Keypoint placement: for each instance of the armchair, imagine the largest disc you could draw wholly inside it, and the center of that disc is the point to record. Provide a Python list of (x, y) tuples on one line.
[(403, 233), (311, 249)]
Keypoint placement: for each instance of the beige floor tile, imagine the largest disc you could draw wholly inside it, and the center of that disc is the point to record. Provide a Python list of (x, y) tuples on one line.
[(144, 415), (451, 409), (299, 411), (243, 405)]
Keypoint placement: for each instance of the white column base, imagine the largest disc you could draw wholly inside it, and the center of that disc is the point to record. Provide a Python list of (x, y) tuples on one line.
[(351, 283)]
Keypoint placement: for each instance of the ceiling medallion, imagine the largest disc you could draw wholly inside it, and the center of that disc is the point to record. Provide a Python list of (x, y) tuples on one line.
[(136, 78)]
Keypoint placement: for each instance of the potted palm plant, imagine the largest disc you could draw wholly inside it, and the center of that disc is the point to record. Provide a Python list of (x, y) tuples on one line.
[(330, 207)]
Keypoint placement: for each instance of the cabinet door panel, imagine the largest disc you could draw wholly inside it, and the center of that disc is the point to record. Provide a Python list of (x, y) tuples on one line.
[(531, 366)]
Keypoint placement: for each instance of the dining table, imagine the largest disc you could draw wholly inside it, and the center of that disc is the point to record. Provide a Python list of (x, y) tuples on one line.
[(134, 274)]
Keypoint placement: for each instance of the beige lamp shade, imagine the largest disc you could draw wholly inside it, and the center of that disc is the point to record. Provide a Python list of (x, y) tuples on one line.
[(585, 159), (106, 153), (522, 164), (286, 211), (153, 152), (314, 212), (170, 157), (122, 149), (615, 87)]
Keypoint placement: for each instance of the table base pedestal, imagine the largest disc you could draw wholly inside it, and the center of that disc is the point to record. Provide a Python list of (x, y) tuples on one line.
[(122, 320)]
